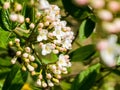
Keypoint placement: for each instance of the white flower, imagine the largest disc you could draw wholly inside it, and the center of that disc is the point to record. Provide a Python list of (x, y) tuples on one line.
[(62, 61), (44, 4), (67, 44), (42, 35), (58, 32), (109, 50), (47, 48)]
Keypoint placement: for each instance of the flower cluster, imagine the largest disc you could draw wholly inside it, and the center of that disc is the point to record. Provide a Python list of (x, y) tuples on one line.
[(107, 12), (53, 36), (54, 71), (23, 55), (49, 34)]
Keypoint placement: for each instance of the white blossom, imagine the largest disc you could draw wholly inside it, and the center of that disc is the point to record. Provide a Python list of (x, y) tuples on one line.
[(42, 35), (47, 48), (109, 50)]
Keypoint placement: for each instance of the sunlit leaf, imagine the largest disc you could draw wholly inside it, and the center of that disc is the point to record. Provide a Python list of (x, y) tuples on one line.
[(86, 78), (4, 37)]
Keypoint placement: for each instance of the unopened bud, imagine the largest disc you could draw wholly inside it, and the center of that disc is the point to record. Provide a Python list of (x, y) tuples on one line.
[(20, 19), (10, 43), (13, 17), (27, 20), (55, 80), (18, 53), (32, 25), (32, 58), (17, 40), (14, 59), (25, 55), (38, 82), (6, 5), (30, 68), (44, 85), (27, 49), (48, 75), (18, 7)]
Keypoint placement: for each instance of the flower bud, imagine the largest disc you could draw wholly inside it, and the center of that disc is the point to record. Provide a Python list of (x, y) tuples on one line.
[(32, 25), (44, 85), (18, 7), (18, 53), (27, 49), (20, 19), (17, 40), (97, 4), (105, 15), (40, 76), (50, 83), (55, 80), (25, 55), (32, 58), (27, 20), (114, 6), (14, 59), (38, 82), (30, 68), (10, 43), (13, 17), (6, 5), (48, 75)]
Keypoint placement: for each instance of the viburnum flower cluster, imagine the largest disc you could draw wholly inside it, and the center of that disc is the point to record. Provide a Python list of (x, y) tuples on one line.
[(49, 34), (54, 36)]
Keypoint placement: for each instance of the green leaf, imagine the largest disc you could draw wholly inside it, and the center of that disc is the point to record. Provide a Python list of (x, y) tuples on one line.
[(15, 79), (86, 29), (86, 79), (50, 58), (4, 37), (4, 71), (77, 12), (4, 20), (82, 53), (5, 61)]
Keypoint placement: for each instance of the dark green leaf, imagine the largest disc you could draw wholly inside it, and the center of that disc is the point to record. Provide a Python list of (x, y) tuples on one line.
[(77, 12), (4, 20), (86, 79), (15, 79), (82, 53), (4, 71), (86, 29)]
